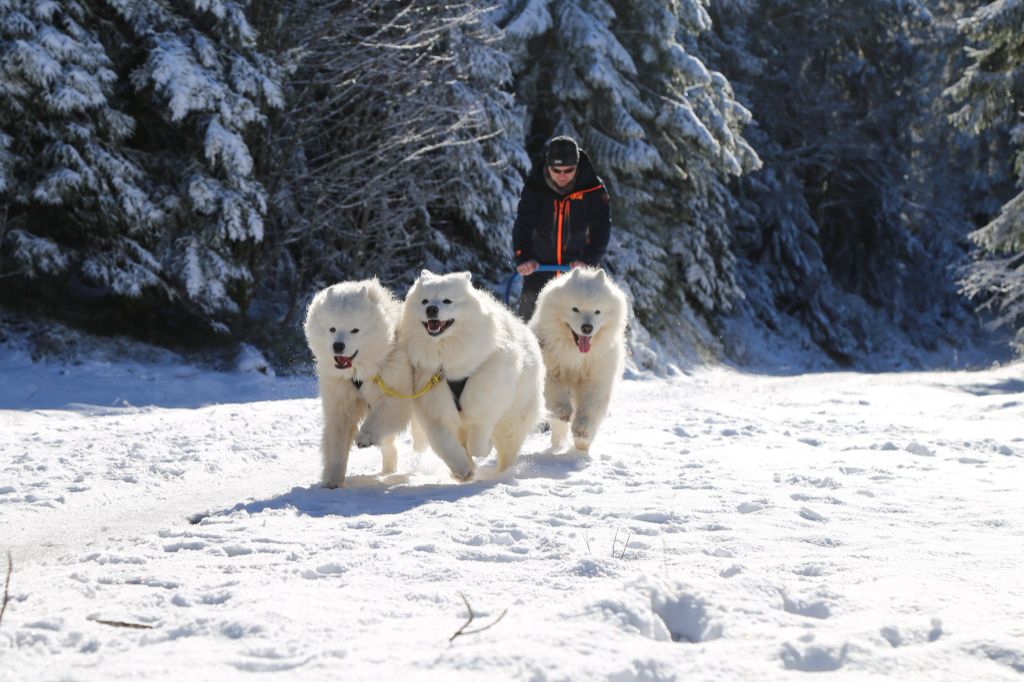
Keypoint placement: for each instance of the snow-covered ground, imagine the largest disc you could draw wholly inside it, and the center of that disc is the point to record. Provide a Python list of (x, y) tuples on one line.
[(725, 526)]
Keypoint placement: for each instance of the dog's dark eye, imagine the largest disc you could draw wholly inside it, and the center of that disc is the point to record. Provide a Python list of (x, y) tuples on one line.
[(597, 312), (575, 310), (355, 331), (333, 330), (447, 301), (424, 301)]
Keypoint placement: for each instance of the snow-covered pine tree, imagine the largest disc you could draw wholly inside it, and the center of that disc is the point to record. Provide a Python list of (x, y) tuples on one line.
[(982, 191), (783, 271), (846, 235), (402, 146), (77, 208), (991, 97), (625, 79), (490, 159), (123, 153), (204, 87)]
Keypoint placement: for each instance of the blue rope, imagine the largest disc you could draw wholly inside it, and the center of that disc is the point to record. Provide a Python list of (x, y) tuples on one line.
[(540, 268)]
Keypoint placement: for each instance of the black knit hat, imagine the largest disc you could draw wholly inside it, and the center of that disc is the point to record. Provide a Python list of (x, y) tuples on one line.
[(562, 151)]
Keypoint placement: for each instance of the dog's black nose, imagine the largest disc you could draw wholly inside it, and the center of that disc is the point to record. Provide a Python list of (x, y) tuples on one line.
[(339, 348), (587, 329), (431, 311)]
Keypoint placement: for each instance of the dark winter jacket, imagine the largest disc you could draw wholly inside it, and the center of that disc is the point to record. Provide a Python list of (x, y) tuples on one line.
[(556, 229)]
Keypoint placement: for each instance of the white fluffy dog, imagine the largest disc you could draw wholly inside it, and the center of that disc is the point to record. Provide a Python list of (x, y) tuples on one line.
[(580, 321), (491, 365), (351, 329)]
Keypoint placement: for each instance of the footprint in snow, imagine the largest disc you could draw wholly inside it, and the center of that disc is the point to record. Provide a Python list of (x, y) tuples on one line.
[(681, 432), (897, 637), (658, 517), (823, 482), (810, 570), (324, 571), (804, 497), (594, 567), (720, 552), (817, 608), (1013, 658), (752, 506), (919, 449), (236, 550), (814, 658), (826, 542), (179, 546), (812, 515), (734, 569), (687, 617), (500, 537)]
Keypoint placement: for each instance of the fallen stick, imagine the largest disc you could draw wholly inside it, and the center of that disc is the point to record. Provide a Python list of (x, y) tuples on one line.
[(7, 584), (464, 631), (122, 624)]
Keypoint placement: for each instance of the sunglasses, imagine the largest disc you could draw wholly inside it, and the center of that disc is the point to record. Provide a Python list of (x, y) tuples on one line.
[(562, 171)]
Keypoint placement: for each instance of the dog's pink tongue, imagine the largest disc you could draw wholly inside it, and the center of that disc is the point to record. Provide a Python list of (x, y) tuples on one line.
[(583, 343)]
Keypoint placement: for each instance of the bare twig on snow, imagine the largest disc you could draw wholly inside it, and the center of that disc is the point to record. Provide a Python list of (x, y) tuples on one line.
[(464, 631), (625, 544), (122, 624), (7, 584)]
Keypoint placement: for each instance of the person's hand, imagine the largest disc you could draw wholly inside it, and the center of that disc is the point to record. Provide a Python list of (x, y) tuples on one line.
[(527, 268), (577, 264)]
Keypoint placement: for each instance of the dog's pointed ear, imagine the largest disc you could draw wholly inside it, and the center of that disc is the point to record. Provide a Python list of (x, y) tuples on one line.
[(601, 274), (373, 291), (426, 273), (575, 272), (468, 276)]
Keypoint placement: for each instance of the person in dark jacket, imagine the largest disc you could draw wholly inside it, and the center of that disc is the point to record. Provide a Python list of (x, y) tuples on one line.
[(563, 218)]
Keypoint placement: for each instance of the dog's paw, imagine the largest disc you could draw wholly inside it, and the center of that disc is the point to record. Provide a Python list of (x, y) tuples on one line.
[(563, 411), (581, 434), (463, 478)]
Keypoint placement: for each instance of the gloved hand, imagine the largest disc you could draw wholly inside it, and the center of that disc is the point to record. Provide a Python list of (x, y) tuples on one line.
[(527, 267)]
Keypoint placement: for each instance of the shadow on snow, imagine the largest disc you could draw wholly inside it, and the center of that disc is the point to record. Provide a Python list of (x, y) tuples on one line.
[(393, 493), (1006, 386)]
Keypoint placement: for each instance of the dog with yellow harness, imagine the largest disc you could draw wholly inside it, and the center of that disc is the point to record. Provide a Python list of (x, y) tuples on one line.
[(364, 378), (491, 367)]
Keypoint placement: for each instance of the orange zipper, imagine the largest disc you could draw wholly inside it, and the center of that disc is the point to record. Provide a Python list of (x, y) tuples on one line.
[(562, 211)]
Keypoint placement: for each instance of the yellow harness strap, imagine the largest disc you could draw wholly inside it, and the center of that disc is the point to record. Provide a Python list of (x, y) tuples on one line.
[(434, 381)]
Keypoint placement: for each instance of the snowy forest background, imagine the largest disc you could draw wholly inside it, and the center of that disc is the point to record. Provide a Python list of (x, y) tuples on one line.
[(841, 173)]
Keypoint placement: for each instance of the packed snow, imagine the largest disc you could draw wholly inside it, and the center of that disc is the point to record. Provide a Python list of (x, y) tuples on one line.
[(166, 522)]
